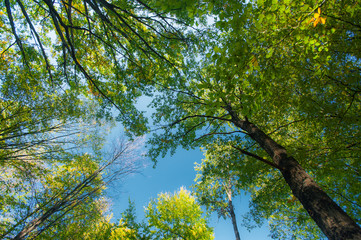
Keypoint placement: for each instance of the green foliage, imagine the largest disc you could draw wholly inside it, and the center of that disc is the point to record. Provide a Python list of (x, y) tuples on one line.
[(217, 181), (296, 80), (109, 52), (177, 215), (64, 67), (290, 67), (186, 224), (141, 230), (46, 198)]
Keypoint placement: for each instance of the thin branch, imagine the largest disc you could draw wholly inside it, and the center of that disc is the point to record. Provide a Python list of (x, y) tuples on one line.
[(2, 53), (339, 19), (257, 157), (219, 133), (342, 196), (13, 29), (67, 44), (199, 116), (285, 125), (28, 20)]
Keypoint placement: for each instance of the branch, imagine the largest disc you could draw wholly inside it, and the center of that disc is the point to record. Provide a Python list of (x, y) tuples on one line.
[(285, 125), (28, 20), (219, 133), (337, 18), (13, 29), (70, 47), (199, 116), (257, 157)]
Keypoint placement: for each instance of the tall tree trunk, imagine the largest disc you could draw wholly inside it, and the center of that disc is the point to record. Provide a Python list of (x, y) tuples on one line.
[(34, 224), (233, 217), (331, 219), (231, 210)]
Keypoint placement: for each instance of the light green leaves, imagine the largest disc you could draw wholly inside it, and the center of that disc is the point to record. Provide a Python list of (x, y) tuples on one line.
[(295, 81), (178, 215), (269, 52)]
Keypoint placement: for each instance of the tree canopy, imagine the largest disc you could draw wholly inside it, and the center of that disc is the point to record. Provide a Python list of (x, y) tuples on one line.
[(216, 184), (111, 52), (275, 85), (176, 216), (271, 76)]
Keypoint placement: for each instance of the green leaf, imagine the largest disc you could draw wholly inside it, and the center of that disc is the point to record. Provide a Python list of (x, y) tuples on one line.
[(269, 52), (217, 49)]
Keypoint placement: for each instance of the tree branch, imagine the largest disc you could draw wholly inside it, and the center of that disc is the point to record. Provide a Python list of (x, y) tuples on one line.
[(257, 157)]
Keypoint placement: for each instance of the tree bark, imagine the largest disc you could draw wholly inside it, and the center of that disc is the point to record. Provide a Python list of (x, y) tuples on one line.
[(34, 224), (233, 217), (228, 189), (331, 219)]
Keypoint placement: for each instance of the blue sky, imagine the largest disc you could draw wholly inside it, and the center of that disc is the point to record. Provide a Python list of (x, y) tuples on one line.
[(171, 173)]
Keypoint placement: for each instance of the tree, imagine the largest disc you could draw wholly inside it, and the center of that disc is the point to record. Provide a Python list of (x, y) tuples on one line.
[(217, 184), (51, 77), (45, 60), (268, 76), (100, 227), (177, 216), (269, 79), (141, 230), (66, 200), (37, 139), (109, 51)]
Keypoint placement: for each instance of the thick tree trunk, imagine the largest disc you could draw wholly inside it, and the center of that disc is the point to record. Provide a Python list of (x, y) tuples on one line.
[(331, 219)]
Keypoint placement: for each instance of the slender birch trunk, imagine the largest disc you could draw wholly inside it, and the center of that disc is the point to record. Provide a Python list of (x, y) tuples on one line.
[(234, 222)]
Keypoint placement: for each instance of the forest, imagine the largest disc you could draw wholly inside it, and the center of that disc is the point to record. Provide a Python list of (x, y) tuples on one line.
[(269, 90)]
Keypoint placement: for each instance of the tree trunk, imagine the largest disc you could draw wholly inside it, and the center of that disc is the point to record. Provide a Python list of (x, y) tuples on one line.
[(33, 225), (331, 219), (234, 222), (231, 209)]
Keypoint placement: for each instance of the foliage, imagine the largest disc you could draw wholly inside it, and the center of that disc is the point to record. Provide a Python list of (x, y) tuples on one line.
[(177, 215), (141, 229), (264, 61), (290, 67), (107, 51), (217, 183), (100, 226), (217, 180), (66, 199), (38, 138), (60, 77), (51, 196)]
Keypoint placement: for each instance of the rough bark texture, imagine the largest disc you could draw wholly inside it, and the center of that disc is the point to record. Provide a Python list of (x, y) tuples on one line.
[(331, 219)]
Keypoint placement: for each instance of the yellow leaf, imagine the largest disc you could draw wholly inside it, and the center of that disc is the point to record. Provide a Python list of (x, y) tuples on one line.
[(317, 18), (316, 22)]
